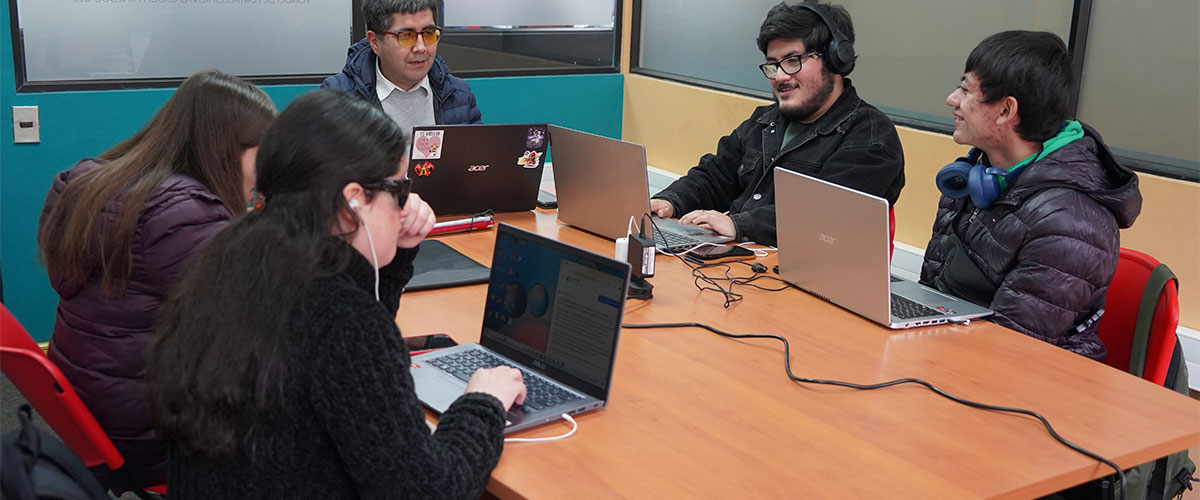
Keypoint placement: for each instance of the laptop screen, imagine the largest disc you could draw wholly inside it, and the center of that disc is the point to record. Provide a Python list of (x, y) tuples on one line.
[(555, 307)]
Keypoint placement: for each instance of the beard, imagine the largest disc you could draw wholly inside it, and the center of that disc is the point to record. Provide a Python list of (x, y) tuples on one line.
[(804, 111)]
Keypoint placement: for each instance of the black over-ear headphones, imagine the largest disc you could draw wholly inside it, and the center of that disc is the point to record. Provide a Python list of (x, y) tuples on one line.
[(839, 54)]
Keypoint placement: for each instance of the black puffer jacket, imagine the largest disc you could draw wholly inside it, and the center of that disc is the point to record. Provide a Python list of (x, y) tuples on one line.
[(1048, 246)]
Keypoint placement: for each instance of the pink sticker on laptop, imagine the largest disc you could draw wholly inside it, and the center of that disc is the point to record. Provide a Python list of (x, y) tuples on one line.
[(427, 145)]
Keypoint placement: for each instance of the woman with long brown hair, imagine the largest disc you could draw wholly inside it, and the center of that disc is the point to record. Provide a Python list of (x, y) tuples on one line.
[(116, 233)]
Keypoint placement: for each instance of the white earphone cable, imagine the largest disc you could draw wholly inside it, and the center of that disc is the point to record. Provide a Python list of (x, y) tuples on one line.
[(371, 242), (574, 427)]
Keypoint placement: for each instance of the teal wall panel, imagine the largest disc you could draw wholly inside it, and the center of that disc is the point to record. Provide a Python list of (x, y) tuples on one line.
[(76, 125), (590, 103)]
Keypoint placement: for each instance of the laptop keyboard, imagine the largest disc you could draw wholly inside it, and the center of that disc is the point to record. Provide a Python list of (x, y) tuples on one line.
[(903, 308), (539, 393), (674, 242)]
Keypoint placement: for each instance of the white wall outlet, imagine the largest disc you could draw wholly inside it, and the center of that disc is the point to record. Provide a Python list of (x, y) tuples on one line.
[(26, 126)]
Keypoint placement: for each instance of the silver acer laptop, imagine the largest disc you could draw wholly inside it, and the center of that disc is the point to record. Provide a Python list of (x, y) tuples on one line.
[(834, 243), (467, 169), (602, 182), (554, 312)]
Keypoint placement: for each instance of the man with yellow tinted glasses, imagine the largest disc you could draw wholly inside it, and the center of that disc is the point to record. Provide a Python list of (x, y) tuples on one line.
[(397, 68)]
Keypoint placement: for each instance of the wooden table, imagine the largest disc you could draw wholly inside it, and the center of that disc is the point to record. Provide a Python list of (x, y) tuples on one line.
[(695, 415)]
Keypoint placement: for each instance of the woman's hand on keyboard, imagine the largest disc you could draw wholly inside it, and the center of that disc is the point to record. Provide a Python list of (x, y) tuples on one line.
[(503, 382)]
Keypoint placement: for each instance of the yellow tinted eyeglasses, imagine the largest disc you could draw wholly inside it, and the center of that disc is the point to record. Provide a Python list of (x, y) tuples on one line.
[(408, 38)]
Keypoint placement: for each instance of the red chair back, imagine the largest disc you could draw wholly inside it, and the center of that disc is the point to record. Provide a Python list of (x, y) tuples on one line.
[(1121, 311), (891, 230), (48, 391)]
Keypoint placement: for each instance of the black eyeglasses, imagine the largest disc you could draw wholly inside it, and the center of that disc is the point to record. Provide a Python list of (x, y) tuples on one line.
[(399, 189), (790, 65), (408, 38)]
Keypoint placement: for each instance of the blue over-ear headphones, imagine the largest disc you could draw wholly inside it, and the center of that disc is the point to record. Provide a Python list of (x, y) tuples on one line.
[(965, 177)]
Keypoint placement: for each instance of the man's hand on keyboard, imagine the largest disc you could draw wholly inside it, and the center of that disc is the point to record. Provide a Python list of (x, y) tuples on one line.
[(662, 208), (712, 220), (503, 382)]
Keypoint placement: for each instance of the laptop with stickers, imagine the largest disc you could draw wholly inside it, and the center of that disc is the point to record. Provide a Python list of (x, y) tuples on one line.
[(553, 311), (467, 169)]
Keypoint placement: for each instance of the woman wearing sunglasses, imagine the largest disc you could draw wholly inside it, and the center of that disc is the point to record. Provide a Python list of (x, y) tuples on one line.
[(278, 371)]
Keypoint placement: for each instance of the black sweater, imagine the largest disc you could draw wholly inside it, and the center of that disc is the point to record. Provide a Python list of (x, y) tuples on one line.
[(351, 426)]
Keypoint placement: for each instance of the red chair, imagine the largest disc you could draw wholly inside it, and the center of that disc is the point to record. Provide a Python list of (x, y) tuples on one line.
[(1121, 307), (51, 395), (891, 231)]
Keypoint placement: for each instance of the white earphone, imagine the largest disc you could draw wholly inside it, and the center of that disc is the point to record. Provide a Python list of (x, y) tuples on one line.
[(371, 242)]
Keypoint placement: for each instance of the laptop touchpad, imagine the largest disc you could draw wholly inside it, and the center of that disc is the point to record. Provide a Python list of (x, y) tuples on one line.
[(436, 389)]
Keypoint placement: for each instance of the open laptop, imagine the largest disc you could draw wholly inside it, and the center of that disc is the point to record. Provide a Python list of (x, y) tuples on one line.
[(601, 183), (553, 311), (467, 169), (834, 243)]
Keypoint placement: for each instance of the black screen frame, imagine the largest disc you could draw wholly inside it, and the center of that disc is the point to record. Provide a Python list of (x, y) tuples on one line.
[(497, 342)]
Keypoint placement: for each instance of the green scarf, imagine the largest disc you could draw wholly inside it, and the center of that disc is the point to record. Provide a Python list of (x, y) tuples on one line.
[(1071, 131)]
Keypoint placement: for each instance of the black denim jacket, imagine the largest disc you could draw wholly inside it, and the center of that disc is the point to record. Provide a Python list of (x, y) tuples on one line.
[(853, 144)]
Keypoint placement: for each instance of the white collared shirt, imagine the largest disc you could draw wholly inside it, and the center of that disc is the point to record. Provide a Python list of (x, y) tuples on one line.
[(409, 108)]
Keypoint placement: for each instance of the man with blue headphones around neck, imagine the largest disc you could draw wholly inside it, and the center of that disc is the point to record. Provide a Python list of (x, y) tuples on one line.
[(817, 126), (1028, 224)]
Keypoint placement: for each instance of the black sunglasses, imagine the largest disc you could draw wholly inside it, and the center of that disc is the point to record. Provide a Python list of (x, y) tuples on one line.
[(399, 189)]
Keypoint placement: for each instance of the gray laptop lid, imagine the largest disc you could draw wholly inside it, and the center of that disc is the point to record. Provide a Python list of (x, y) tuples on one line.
[(834, 242), (466, 169), (551, 308), (600, 182)]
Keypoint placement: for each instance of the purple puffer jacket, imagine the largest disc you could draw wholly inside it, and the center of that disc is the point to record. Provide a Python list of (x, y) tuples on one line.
[(1048, 246), (99, 342)]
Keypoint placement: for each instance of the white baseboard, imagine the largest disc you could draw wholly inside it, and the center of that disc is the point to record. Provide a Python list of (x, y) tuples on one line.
[(906, 261), (1189, 339)]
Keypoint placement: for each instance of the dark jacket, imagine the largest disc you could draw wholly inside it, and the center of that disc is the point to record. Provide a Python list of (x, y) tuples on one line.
[(453, 102), (853, 144), (351, 425), (1048, 246), (100, 342)]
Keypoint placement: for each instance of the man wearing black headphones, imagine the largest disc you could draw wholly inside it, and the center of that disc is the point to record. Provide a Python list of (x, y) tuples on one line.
[(1028, 224), (818, 126)]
